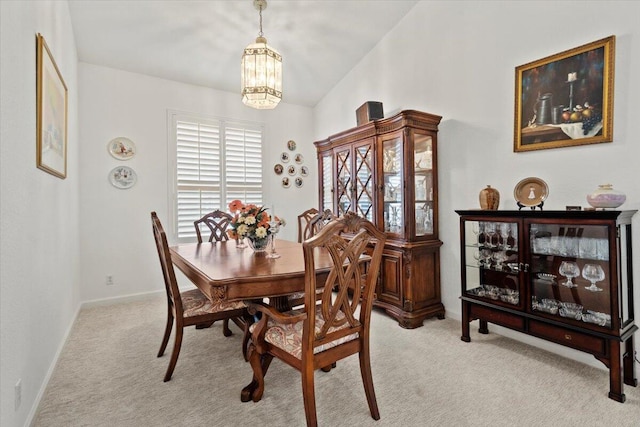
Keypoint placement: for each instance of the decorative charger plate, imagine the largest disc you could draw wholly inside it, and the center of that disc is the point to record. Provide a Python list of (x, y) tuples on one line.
[(531, 191), (123, 177), (122, 148), (291, 145)]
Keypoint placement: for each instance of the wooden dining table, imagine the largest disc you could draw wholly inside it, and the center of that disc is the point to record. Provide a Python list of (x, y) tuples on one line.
[(222, 271)]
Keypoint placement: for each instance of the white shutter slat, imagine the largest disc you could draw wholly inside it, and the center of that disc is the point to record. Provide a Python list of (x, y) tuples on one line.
[(216, 162)]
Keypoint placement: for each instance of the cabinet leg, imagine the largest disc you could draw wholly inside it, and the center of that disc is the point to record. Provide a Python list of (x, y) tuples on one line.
[(615, 372), (484, 327), (627, 362), (465, 322)]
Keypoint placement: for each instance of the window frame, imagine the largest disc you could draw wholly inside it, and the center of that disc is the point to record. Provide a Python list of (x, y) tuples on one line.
[(173, 117)]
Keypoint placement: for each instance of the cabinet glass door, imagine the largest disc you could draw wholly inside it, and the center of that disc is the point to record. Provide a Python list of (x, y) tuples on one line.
[(343, 183), (392, 164), (363, 184), (492, 265), (570, 272), (423, 190), (326, 183)]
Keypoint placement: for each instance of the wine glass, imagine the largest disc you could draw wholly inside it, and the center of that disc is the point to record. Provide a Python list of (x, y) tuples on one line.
[(274, 226), (475, 228), (593, 273), (490, 232), (505, 231), (569, 269)]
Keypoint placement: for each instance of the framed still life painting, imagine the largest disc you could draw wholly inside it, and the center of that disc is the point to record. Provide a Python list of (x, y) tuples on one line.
[(51, 116), (566, 99)]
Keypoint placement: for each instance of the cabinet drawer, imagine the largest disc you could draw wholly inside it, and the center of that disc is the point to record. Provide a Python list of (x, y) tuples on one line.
[(567, 337), (497, 317)]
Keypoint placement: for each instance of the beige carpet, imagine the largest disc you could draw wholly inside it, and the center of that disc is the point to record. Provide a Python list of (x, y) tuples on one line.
[(108, 375)]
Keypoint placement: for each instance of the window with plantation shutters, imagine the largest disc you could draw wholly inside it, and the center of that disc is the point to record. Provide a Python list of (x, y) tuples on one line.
[(215, 162)]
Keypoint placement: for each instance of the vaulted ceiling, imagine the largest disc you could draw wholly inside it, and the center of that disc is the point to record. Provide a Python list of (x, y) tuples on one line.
[(201, 42)]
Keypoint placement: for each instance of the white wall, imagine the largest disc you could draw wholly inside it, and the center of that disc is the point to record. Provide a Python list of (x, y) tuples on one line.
[(115, 225), (39, 266), (457, 60)]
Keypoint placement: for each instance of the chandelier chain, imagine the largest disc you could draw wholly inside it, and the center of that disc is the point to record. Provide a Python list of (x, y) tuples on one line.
[(260, 33)]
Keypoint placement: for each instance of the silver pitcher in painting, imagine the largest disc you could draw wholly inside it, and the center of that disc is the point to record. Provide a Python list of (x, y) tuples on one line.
[(542, 108)]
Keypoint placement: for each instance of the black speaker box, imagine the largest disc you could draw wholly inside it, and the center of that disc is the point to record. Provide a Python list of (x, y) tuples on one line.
[(369, 111)]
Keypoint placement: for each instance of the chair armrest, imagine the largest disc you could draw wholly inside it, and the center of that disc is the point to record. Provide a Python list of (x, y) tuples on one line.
[(274, 314)]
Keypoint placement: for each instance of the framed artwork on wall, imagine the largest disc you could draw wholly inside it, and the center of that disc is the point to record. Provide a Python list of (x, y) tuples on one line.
[(51, 113), (566, 99)]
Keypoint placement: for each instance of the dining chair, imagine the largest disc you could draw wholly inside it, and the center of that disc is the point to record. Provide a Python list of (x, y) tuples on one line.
[(187, 308), (336, 327), (304, 230), (217, 222), (319, 220), (314, 225)]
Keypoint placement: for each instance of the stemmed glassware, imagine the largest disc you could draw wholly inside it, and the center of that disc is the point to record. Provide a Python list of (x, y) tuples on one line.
[(490, 232), (505, 232), (569, 269), (593, 273), (274, 227)]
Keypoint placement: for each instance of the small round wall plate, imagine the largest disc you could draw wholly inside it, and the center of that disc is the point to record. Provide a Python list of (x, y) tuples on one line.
[(291, 170), (278, 168), (291, 145), (123, 177), (122, 148), (286, 182), (299, 182), (304, 171), (299, 159), (531, 191), (284, 157)]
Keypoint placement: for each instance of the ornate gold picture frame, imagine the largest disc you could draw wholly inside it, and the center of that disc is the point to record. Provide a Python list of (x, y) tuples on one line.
[(566, 99), (51, 116)]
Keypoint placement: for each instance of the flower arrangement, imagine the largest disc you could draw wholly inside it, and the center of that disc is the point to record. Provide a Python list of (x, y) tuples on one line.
[(250, 221)]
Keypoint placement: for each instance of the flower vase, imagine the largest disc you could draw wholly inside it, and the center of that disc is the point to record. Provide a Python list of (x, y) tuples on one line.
[(258, 245)]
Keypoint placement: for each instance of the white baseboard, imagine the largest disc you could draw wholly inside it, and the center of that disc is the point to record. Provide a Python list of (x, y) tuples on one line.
[(121, 299)]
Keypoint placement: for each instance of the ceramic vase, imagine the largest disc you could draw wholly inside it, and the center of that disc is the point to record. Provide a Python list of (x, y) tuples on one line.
[(489, 199), (606, 197)]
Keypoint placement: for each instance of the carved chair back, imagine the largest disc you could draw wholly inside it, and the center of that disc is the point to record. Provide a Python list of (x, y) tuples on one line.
[(217, 222), (304, 226)]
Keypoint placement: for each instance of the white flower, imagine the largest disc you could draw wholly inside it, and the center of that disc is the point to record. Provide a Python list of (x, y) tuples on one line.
[(242, 230), (261, 232), (240, 219), (250, 220)]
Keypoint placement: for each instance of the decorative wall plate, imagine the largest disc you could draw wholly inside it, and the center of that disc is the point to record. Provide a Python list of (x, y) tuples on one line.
[(291, 170), (278, 169), (299, 159), (286, 182), (531, 192), (121, 148), (304, 171), (123, 177), (284, 157), (299, 182), (291, 145)]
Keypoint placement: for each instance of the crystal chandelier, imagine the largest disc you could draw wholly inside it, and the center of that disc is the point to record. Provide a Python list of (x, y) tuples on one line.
[(261, 71)]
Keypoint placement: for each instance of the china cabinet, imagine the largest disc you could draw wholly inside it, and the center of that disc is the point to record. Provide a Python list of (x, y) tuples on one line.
[(386, 171), (563, 276)]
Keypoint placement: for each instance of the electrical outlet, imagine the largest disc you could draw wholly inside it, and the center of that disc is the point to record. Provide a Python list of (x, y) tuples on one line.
[(109, 280), (18, 394)]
